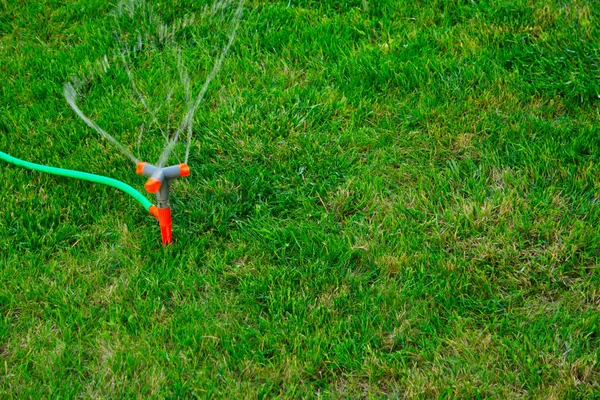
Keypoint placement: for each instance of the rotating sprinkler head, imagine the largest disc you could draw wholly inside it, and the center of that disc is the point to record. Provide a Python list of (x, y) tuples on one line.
[(159, 182)]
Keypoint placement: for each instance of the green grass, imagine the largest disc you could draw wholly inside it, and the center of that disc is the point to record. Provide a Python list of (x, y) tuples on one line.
[(388, 199)]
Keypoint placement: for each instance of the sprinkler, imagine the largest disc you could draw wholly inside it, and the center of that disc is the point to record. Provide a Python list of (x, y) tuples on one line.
[(159, 181)]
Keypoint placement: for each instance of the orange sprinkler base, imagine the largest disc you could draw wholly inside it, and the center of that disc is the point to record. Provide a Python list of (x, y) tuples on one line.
[(166, 225)]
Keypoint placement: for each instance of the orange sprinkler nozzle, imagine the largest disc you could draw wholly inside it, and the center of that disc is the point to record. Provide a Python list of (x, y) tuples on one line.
[(139, 168), (184, 170), (166, 225), (153, 185)]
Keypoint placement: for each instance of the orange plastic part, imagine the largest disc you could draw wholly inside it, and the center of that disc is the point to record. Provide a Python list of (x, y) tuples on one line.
[(152, 185), (184, 170), (166, 225), (154, 211), (139, 167)]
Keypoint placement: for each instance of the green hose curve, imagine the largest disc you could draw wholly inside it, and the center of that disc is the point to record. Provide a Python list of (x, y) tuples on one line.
[(69, 173)]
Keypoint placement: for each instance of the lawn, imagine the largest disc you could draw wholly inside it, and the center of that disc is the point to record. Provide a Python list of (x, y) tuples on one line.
[(388, 199)]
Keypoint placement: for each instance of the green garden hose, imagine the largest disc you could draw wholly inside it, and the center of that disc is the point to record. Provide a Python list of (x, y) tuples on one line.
[(83, 176)]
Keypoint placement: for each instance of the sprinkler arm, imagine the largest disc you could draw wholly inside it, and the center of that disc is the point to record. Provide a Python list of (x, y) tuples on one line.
[(159, 182)]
